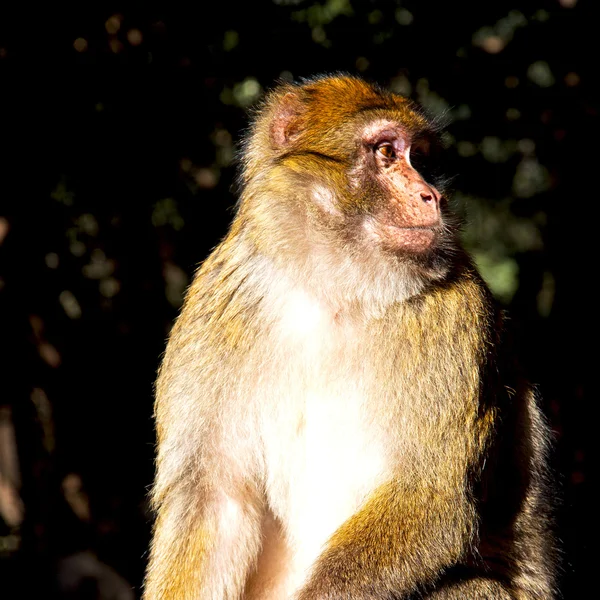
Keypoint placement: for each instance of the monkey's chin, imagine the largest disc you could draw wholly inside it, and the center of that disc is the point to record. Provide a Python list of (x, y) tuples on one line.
[(412, 240)]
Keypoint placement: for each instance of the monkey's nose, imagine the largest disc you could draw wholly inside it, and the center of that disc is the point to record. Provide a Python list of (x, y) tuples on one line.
[(426, 197)]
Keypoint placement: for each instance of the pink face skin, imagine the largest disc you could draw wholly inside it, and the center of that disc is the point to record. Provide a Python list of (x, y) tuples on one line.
[(409, 219)]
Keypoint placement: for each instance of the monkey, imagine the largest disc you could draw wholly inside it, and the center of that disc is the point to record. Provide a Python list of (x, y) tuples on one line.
[(338, 411)]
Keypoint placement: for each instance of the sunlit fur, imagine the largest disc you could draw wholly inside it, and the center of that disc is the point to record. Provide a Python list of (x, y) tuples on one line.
[(335, 419)]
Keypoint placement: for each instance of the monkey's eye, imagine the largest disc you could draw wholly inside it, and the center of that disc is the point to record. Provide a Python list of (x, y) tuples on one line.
[(386, 150)]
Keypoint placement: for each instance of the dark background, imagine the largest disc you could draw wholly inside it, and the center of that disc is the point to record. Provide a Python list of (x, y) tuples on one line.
[(118, 130)]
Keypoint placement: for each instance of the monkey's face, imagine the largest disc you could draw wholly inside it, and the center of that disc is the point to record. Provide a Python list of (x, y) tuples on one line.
[(402, 211), (377, 188)]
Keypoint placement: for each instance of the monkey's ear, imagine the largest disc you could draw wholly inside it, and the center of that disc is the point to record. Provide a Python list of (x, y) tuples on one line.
[(287, 120)]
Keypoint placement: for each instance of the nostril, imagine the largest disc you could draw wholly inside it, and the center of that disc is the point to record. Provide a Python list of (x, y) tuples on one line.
[(426, 197)]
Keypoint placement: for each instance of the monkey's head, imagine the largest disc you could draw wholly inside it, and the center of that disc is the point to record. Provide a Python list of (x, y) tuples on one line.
[(340, 167)]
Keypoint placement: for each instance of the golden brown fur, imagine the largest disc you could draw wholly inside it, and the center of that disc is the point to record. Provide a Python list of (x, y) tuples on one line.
[(337, 416)]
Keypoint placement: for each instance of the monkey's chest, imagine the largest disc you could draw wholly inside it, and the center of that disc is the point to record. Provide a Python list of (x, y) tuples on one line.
[(322, 460), (322, 456)]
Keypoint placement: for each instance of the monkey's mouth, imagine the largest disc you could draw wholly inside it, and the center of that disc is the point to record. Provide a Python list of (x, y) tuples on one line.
[(415, 239)]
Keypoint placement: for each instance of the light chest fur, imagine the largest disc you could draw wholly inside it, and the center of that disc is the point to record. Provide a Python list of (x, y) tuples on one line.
[(320, 455)]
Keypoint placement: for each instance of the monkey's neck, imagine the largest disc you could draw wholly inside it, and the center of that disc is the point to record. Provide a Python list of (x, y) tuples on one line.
[(365, 283)]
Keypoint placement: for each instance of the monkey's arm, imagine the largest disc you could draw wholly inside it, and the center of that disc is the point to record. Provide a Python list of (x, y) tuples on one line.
[(399, 546), (400, 539), (204, 544), (433, 542), (209, 509), (208, 502)]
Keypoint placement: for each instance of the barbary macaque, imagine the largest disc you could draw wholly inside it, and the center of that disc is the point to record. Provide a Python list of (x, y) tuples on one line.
[(338, 415)]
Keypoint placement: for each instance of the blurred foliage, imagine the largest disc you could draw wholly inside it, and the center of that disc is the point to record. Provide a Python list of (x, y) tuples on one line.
[(121, 128)]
